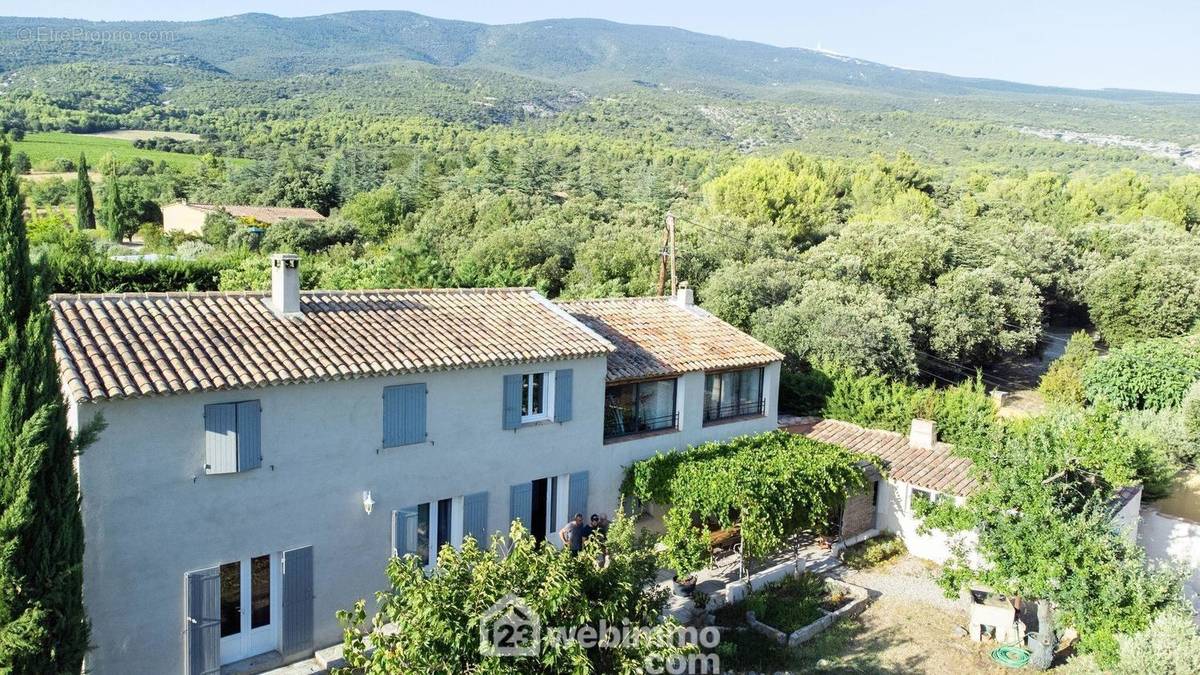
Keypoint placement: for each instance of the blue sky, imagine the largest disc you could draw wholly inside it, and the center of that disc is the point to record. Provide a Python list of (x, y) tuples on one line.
[(1101, 43)]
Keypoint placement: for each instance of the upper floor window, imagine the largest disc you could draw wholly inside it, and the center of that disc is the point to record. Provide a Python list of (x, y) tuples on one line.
[(637, 407), (735, 393), (535, 405), (537, 397), (232, 437)]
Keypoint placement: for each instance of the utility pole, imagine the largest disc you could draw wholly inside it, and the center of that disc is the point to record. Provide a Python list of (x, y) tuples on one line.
[(666, 258)]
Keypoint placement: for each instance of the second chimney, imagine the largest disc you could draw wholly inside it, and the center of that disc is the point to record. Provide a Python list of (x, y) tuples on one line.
[(684, 296), (922, 434), (285, 284)]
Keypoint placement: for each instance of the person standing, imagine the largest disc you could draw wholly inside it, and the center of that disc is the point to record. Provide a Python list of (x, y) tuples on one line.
[(574, 533)]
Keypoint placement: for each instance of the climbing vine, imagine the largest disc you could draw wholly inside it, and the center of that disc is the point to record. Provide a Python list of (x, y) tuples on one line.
[(772, 486)]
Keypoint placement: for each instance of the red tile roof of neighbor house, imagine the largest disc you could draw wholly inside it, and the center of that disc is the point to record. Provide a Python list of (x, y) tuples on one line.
[(264, 214), (127, 345), (936, 469), (655, 337)]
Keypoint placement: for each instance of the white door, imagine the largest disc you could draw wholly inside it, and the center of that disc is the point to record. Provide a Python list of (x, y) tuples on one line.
[(250, 607)]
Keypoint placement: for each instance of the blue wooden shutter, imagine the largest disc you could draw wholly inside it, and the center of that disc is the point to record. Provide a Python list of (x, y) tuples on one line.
[(563, 387), (577, 494), (203, 622), (404, 531), (297, 603), (512, 401), (475, 511), (521, 504), (404, 415), (220, 438), (249, 435)]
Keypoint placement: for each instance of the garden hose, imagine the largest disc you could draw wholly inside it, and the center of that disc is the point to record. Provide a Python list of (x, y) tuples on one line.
[(1011, 657)]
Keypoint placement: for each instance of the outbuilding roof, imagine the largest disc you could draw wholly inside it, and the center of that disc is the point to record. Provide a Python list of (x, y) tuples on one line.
[(936, 469), (657, 337), (127, 345)]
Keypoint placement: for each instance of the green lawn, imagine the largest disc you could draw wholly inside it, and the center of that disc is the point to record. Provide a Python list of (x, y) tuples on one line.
[(50, 145)]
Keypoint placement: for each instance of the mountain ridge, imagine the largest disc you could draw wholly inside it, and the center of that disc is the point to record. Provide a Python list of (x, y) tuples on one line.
[(595, 53)]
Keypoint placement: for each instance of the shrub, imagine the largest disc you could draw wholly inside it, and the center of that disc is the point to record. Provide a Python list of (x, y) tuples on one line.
[(1147, 295), (874, 551), (976, 316), (1152, 374), (218, 226), (847, 325), (1166, 447), (1191, 412), (1063, 381), (1167, 646), (298, 236), (191, 250), (737, 290)]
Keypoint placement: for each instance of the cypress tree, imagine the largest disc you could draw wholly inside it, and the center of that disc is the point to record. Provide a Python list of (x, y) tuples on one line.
[(85, 200), (112, 212), (43, 628)]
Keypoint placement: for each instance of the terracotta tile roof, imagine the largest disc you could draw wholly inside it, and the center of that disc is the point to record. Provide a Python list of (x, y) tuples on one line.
[(265, 214), (656, 337), (116, 346), (935, 469)]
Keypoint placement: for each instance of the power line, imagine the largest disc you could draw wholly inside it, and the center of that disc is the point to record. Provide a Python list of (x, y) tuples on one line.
[(994, 380)]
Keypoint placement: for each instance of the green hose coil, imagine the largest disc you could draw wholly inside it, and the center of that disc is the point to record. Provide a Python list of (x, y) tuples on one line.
[(1011, 657)]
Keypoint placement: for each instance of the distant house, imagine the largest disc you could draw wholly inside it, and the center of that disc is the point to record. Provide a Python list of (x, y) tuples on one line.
[(184, 216)]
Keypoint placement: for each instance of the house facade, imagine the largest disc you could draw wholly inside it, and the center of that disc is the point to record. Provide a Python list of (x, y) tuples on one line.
[(264, 455), (188, 217)]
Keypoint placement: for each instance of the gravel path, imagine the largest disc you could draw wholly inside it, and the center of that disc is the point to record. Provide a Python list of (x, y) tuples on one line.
[(907, 578)]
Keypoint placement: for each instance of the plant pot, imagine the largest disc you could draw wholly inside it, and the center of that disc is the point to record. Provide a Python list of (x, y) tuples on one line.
[(683, 588)]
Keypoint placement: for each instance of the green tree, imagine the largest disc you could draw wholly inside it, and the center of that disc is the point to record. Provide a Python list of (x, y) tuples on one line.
[(114, 213), (976, 316), (1063, 381), (438, 616), (85, 200), (831, 322), (43, 627)]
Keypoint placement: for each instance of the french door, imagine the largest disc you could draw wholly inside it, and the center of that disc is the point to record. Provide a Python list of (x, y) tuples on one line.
[(250, 607)]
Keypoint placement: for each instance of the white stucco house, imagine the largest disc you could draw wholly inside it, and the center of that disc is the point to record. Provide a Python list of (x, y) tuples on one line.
[(919, 466), (266, 453)]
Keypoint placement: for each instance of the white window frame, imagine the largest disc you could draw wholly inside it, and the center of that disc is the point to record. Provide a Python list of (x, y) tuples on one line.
[(547, 397), (912, 496), (456, 527)]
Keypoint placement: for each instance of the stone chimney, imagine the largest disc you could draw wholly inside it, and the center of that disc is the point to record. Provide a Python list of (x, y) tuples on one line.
[(684, 296), (922, 434), (285, 284)]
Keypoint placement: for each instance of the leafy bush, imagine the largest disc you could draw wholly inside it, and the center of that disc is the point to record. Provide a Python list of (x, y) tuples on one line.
[(1191, 412), (219, 226), (1168, 646), (1152, 374), (1147, 295), (298, 236), (831, 322), (874, 551), (737, 290), (1167, 447), (772, 485), (976, 316), (1063, 381)]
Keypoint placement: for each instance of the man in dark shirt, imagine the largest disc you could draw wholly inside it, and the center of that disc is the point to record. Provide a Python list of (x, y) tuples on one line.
[(574, 533)]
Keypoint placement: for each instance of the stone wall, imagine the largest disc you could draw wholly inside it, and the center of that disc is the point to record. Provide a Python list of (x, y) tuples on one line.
[(858, 514)]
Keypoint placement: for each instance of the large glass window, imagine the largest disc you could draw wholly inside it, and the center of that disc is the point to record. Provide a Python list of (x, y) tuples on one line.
[(636, 407), (734, 393)]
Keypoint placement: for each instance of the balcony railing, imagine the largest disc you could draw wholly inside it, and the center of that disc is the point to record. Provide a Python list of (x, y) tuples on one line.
[(737, 409), (615, 428)]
